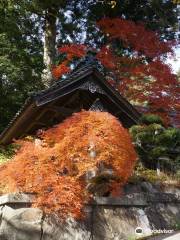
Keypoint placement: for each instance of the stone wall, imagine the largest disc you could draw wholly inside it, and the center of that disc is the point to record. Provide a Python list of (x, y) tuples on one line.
[(107, 218)]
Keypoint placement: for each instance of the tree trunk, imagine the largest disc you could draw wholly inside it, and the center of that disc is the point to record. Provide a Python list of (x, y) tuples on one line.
[(49, 45), (158, 168)]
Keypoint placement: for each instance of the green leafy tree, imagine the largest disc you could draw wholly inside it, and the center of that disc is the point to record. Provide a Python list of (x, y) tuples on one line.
[(156, 145), (20, 60), (30, 31)]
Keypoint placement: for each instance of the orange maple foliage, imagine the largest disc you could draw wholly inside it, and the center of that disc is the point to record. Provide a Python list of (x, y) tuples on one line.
[(139, 73), (56, 167), (61, 69), (144, 82), (72, 51), (136, 36), (142, 76)]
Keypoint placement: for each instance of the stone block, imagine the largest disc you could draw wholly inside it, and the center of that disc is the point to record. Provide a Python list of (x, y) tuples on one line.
[(13, 199), (21, 224)]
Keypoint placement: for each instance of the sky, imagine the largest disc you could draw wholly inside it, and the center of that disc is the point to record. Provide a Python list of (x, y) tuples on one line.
[(175, 63)]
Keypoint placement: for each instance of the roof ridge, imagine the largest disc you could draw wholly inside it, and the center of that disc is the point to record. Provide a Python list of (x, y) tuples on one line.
[(73, 74)]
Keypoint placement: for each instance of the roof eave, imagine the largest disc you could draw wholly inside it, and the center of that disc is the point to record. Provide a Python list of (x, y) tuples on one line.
[(10, 130)]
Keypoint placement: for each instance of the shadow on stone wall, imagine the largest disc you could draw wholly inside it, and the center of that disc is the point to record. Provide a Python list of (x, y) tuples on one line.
[(144, 206)]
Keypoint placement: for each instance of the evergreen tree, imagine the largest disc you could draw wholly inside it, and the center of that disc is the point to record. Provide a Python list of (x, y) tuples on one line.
[(20, 59), (156, 145), (30, 31)]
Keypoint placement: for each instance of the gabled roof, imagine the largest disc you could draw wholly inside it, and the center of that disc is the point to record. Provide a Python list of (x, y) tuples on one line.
[(79, 90)]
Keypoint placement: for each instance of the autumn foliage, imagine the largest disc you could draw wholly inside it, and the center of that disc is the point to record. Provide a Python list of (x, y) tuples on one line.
[(55, 166), (137, 69), (75, 50), (135, 36)]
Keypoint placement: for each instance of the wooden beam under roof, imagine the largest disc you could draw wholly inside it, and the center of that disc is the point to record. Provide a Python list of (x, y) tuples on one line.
[(63, 94), (60, 110)]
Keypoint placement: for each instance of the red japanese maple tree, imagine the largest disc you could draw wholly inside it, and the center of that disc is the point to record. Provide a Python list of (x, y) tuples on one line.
[(56, 168), (139, 72)]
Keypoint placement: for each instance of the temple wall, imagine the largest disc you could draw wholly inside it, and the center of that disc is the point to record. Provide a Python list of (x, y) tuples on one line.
[(106, 218)]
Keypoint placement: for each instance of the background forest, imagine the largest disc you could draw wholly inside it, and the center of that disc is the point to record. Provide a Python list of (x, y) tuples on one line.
[(31, 31)]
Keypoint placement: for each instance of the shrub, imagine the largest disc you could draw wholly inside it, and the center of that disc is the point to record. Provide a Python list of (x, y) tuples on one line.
[(56, 168), (143, 174), (156, 145), (151, 118)]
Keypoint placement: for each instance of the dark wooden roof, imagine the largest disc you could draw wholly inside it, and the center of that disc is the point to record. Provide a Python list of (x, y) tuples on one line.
[(85, 88)]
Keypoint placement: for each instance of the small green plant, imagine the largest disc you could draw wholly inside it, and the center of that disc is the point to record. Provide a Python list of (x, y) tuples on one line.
[(7, 152), (148, 175), (132, 238), (176, 226), (152, 176), (177, 175)]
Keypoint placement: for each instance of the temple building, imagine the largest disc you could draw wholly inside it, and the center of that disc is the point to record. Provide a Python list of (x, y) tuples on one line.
[(85, 88)]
